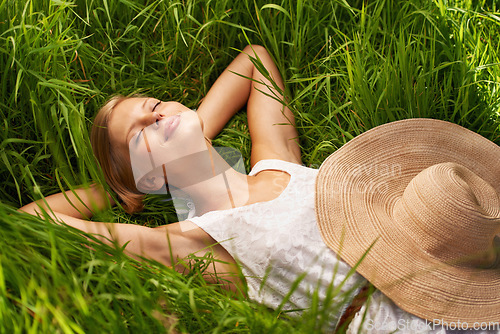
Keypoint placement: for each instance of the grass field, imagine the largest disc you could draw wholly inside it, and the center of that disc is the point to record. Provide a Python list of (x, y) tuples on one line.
[(349, 65)]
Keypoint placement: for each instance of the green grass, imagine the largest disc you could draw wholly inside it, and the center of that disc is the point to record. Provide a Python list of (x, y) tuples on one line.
[(349, 66)]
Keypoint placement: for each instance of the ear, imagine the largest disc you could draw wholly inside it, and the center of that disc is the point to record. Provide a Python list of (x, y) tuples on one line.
[(152, 182)]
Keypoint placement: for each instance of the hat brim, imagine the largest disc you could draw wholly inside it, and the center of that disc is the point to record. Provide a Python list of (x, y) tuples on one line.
[(356, 190)]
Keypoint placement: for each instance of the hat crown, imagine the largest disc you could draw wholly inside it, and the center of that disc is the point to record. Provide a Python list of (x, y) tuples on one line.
[(451, 213), (380, 223)]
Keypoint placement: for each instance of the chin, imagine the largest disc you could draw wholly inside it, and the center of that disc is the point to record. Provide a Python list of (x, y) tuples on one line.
[(202, 125), (189, 134)]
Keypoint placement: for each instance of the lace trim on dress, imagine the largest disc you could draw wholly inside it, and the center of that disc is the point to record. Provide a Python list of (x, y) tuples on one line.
[(279, 247)]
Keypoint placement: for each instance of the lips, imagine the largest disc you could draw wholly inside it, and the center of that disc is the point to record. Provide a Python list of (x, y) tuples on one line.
[(170, 125)]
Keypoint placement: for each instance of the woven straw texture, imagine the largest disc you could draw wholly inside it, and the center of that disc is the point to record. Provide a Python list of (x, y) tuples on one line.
[(414, 205)]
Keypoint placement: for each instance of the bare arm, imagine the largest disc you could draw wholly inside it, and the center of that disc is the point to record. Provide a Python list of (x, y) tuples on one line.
[(80, 203), (272, 125), (168, 244), (75, 207)]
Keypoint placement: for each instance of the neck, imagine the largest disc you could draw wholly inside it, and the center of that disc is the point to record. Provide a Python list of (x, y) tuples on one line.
[(210, 181)]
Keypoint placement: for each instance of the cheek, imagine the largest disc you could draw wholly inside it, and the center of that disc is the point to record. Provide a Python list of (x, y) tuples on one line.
[(154, 151), (140, 160)]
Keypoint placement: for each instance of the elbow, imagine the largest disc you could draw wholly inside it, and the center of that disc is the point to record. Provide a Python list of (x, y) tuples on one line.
[(255, 49), (29, 209), (33, 209)]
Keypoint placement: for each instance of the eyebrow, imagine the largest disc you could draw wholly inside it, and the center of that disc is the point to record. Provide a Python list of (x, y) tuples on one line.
[(127, 134)]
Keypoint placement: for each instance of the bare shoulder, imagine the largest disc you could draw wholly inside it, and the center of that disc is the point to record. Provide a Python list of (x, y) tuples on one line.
[(186, 235), (185, 238), (288, 153)]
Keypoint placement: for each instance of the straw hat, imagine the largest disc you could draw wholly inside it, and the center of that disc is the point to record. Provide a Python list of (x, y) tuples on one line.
[(415, 205)]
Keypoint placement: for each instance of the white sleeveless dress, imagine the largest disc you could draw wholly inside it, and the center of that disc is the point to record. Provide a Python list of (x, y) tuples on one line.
[(278, 244), (381, 316)]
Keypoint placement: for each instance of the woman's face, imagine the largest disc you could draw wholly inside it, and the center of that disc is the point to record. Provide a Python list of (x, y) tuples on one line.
[(154, 133), (134, 114)]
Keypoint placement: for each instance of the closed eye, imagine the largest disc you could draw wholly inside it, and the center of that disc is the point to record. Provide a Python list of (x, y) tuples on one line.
[(156, 105)]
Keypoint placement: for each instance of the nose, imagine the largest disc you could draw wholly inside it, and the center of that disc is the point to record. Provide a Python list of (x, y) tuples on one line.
[(162, 111), (149, 118)]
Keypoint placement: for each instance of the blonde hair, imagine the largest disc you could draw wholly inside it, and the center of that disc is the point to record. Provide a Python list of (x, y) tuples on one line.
[(115, 166)]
